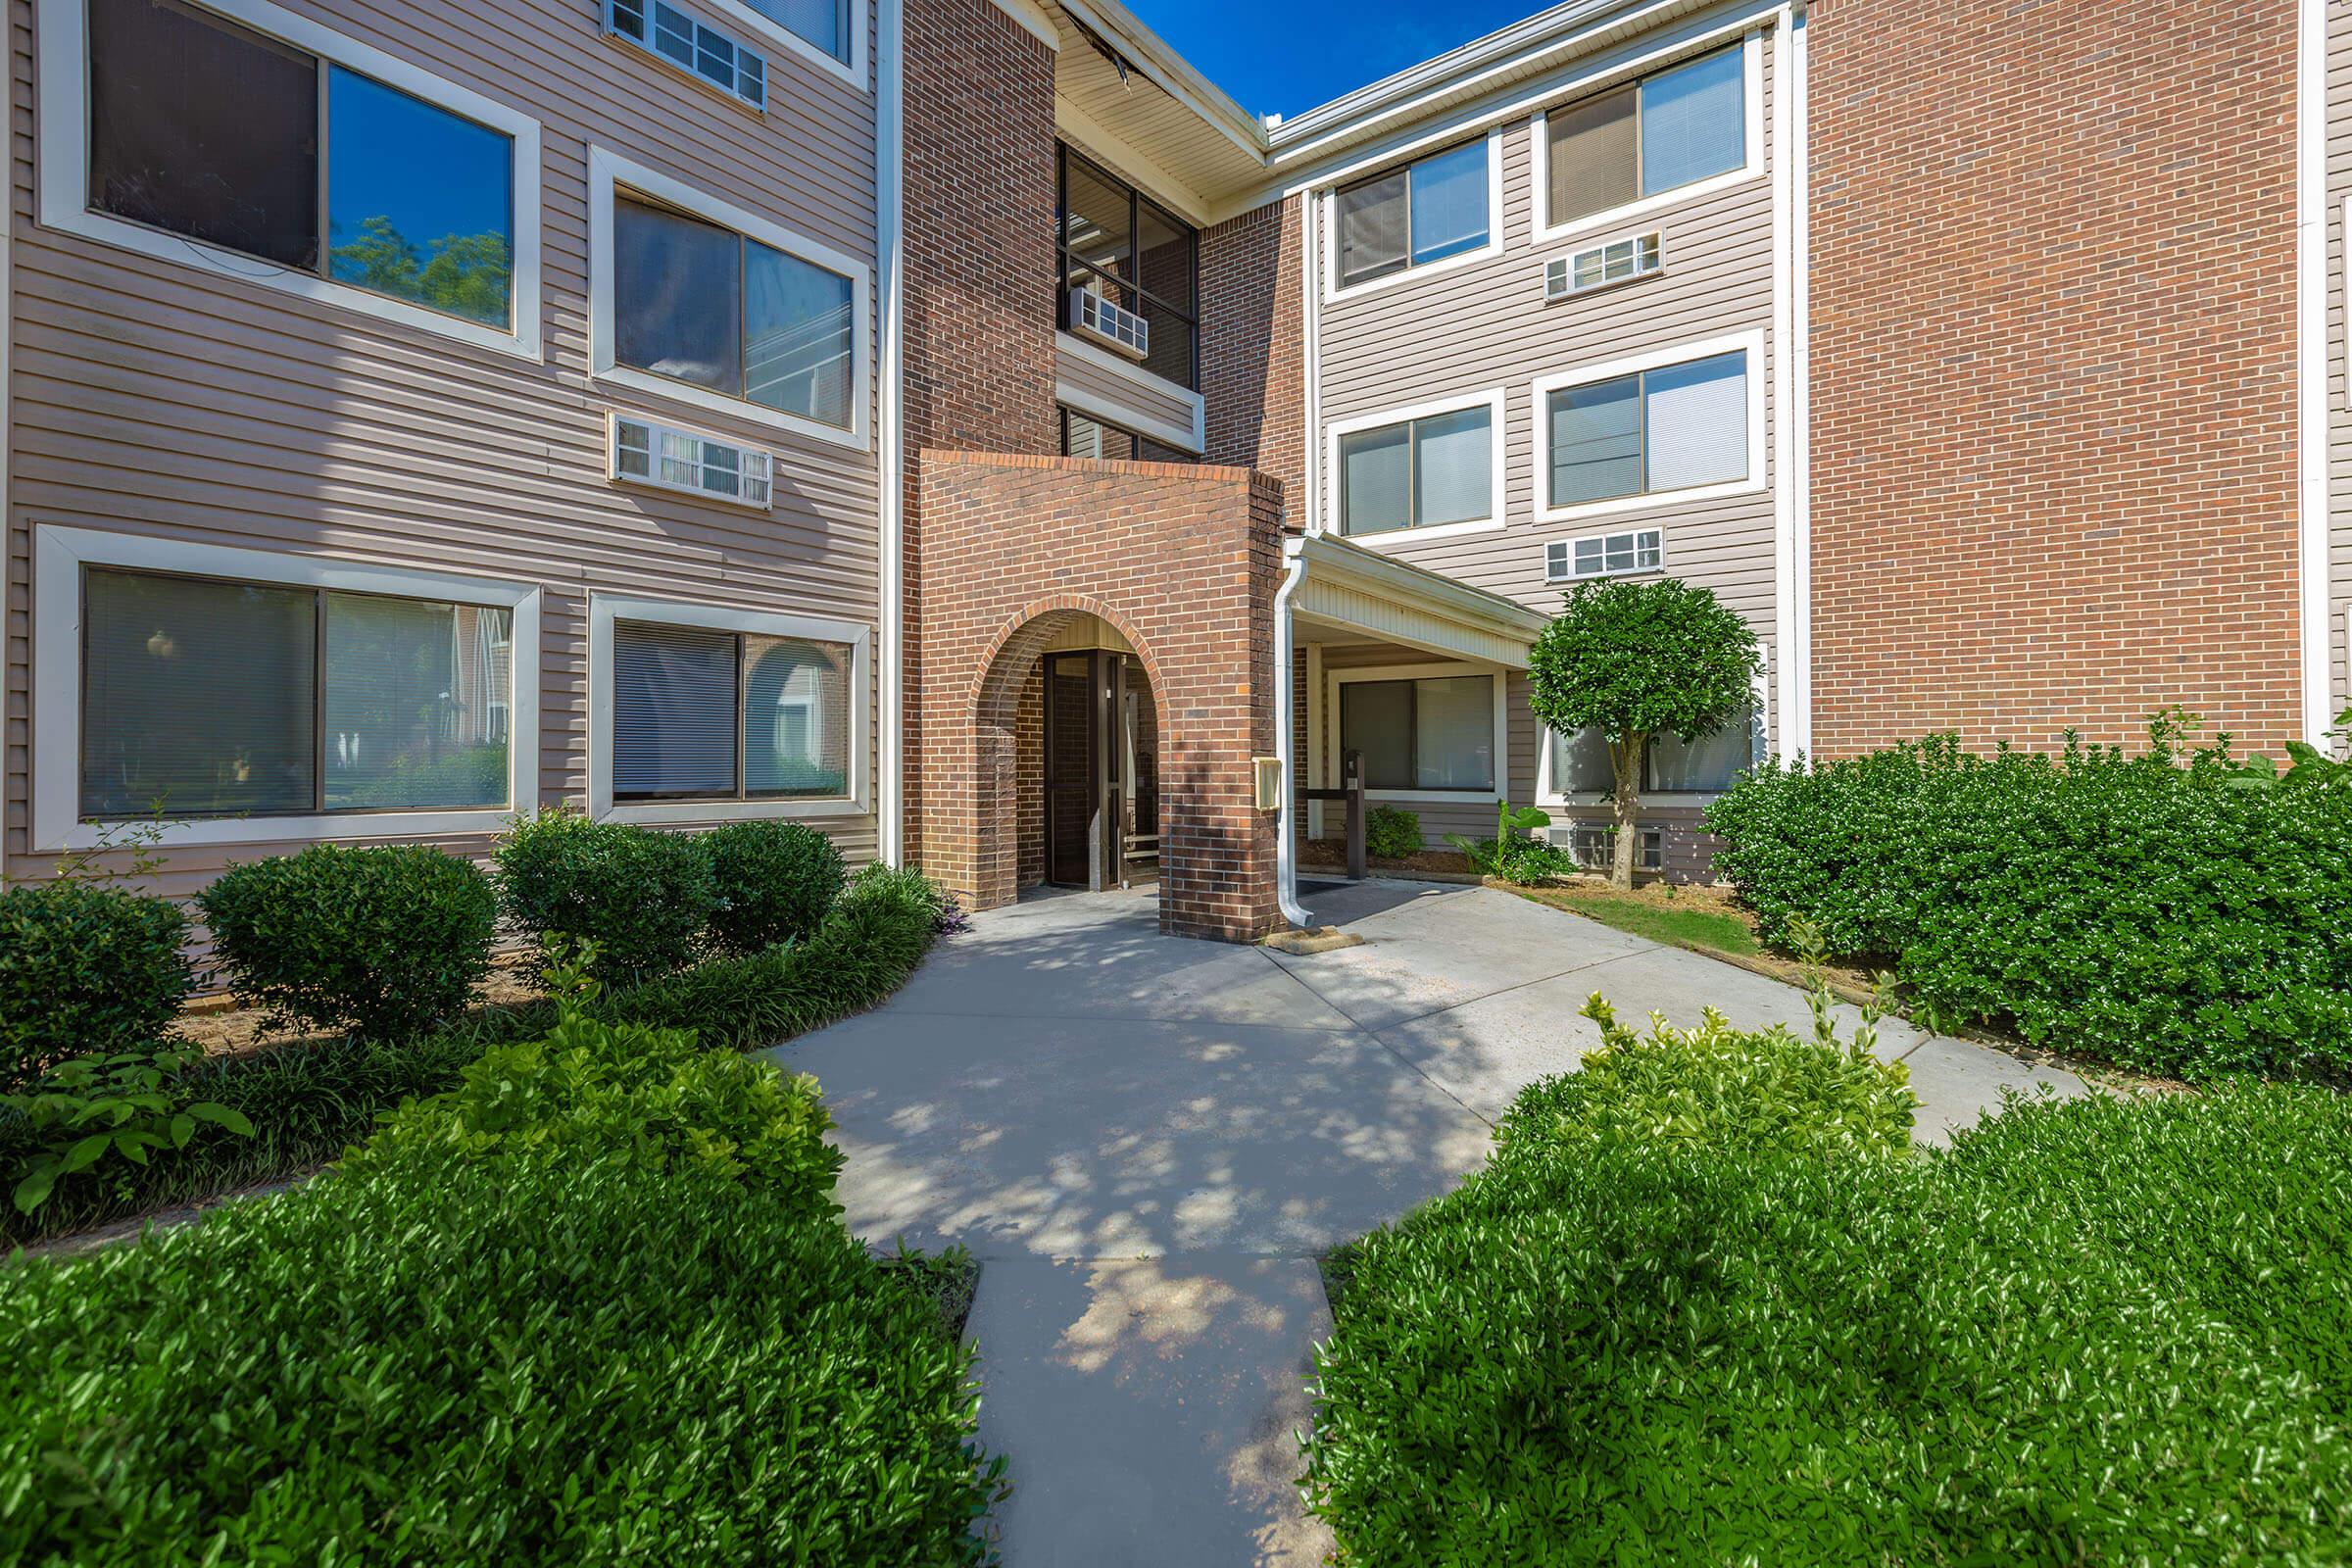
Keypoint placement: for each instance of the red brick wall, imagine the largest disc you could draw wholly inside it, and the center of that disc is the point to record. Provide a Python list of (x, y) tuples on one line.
[(2053, 326), (1183, 561), (979, 271), (1252, 370)]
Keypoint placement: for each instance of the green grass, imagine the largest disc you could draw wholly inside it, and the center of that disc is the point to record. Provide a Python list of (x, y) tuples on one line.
[(1690, 925)]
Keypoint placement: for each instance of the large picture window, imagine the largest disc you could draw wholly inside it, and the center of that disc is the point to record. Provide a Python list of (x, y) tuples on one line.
[(706, 714), (1419, 472), (204, 697), (704, 305), (1119, 244), (1670, 764), (1432, 208), (205, 128), (1435, 733), (1671, 428), (1668, 130)]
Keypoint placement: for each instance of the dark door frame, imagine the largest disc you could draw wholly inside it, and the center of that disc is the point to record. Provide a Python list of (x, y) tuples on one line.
[(1106, 843)]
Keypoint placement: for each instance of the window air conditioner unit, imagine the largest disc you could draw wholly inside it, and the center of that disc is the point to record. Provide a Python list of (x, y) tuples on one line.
[(1093, 316), (1620, 261), (670, 459)]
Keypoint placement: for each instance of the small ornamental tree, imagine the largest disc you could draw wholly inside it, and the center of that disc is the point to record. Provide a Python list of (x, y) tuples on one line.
[(1635, 660)]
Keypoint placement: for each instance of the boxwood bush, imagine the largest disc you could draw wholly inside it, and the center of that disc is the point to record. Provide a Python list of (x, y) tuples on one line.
[(2140, 907), (1727, 1348), (595, 1307), (641, 897), (774, 881), (388, 941), (84, 970), (1391, 833)]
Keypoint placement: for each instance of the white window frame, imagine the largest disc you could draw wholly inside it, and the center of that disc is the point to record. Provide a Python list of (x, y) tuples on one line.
[(1550, 795), (850, 71), (1751, 89), (60, 553), (1490, 398), (607, 171), (62, 140), (1574, 576), (1328, 198), (606, 608), (1336, 679), (1750, 343)]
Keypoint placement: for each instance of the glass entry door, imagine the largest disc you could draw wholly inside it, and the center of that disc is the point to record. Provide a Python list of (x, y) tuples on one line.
[(1076, 771)]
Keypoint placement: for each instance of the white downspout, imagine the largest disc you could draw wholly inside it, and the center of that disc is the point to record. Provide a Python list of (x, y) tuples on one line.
[(1285, 845), (890, 420)]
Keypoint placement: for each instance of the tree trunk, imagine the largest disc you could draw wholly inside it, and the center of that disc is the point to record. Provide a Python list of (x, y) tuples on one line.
[(1626, 801)]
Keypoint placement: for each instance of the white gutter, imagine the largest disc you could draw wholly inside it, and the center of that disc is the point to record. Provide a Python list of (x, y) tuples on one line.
[(2311, 368), (889, 422), (1286, 847)]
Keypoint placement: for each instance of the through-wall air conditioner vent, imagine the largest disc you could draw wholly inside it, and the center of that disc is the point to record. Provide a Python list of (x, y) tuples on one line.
[(1604, 554), (670, 459), (694, 47), (1620, 261), (1093, 316)]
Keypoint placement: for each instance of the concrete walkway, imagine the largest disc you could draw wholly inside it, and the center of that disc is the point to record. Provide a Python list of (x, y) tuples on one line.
[(1148, 1141)]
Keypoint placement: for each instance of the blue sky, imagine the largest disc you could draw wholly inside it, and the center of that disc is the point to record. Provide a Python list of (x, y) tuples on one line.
[(1283, 56)]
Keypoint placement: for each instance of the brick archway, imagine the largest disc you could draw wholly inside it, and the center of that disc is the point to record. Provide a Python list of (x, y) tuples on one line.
[(1182, 561), (993, 705)]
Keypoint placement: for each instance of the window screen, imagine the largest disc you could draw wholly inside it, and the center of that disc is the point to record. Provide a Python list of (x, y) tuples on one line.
[(1435, 469), (208, 697), (799, 325), (1580, 761), (1669, 428), (1424, 212), (1432, 734), (796, 718), (201, 127), (1671, 129)]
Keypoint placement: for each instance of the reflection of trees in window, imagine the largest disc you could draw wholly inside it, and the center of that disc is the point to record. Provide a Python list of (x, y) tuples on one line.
[(464, 274), (796, 718)]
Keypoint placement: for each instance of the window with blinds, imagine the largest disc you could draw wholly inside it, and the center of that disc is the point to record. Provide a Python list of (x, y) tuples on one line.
[(1670, 130), (1430, 209), (1670, 764), (210, 698), (725, 716), (1674, 427), (1418, 473)]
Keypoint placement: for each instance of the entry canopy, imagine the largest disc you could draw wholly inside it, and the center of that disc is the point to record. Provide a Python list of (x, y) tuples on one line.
[(1348, 587)]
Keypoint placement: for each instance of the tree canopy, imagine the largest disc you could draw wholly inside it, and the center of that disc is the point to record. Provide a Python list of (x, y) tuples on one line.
[(1643, 658)]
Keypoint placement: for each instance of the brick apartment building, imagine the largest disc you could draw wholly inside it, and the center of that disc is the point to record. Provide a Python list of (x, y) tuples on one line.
[(958, 425)]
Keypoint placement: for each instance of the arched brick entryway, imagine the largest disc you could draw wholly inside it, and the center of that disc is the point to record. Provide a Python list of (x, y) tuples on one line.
[(1181, 562)]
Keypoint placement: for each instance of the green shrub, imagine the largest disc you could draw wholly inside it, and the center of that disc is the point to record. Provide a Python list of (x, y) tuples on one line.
[(641, 897), (1391, 833), (84, 970), (904, 887), (774, 881), (388, 941), (652, 1097), (1730, 1346), (2137, 907), (509, 1358)]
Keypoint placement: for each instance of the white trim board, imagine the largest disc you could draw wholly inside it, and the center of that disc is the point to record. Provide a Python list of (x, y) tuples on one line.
[(1750, 343), (2311, 363), (1334, 292), (1751, 91), (607, 170), (62, 140), (606, 608), (1489, 398), (1336, 678), (59, 555)]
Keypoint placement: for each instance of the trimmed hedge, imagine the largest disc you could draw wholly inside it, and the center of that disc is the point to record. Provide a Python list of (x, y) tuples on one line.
[(774, 881), (643, 897), (84, 970), (310, 1101), (1732, 1347), (595, 1307), (1391, 833), (2137, 907), (385, 941)]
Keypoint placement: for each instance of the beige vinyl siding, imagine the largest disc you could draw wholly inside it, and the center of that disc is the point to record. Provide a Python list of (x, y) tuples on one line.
[(1133, 400), (1485, 324), (2339, 381), (164, 399)]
